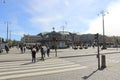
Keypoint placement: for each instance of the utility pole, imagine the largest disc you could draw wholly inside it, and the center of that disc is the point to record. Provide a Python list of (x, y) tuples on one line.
[(63, 29), (7, 31), (7, 24), (3, 1), (10, 34), (103, 13), (64, 26), (54, 42)]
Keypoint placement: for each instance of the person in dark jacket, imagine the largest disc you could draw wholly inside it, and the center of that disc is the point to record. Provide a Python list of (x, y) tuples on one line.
[(48, 51), (34, 54), (42, 53), (21, 48), (6, 48)]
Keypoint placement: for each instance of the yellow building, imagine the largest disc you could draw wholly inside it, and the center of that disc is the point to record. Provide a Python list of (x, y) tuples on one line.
[(31, 39)]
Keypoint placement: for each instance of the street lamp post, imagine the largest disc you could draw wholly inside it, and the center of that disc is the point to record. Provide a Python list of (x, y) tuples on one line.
[(7, 31), (7, 23), (55, 42), (104, 40), (0, 42), (10, 35)]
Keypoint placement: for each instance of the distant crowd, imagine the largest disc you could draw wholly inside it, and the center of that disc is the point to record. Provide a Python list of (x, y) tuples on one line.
[(44, 50)]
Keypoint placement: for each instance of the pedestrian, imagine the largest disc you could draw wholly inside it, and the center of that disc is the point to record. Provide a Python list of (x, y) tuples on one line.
[(42, 53), (56, 51), (37, 48), (6, 48), (48, 51), (21, 48), (34, 54)]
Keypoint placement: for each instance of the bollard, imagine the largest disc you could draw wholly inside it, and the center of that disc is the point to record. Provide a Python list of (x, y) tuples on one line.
[(103, 61)]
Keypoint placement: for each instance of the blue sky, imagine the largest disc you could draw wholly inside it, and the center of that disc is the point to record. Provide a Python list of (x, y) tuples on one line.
[(36, 16)]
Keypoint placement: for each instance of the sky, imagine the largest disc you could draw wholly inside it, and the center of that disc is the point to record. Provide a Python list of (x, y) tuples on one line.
[(36, 16)]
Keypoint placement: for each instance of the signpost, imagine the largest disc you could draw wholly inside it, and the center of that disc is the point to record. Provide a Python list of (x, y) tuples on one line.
[(96, 37)]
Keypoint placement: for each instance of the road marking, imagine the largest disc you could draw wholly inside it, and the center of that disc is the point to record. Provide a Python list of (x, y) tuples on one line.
[(14, 70), (40, 73), (39, 64), (40, 68)]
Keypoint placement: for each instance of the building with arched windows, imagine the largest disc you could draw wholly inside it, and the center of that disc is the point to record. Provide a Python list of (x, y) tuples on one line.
[(55, 39)]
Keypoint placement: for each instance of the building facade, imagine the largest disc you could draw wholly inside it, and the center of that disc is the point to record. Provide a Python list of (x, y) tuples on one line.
[(53, 39), (31, 39)]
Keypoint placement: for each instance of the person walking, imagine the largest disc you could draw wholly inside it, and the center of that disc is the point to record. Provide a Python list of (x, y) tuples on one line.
[(37, 48), (42, 53), (48, 51), (24, 49), (34, 54), (6, 48), (21, 48)]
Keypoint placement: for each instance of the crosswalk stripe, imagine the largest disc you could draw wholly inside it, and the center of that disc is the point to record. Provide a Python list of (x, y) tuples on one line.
[(24, 64), (33, 67), (30, 64), (40, 68), (15, 64), (33, 70), (40, 73)]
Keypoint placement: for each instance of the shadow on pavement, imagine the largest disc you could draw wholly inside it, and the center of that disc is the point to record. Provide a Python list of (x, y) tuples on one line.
[(88, 55), (15, 60), (37, 60), (86, 77), (27, 63), (77, 56)]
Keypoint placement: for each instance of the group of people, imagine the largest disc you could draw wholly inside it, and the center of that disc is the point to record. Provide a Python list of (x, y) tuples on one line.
[(43, 49), (22, 48)]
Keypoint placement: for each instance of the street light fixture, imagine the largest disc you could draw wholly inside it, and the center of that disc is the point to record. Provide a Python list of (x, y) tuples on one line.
[(103, 13)]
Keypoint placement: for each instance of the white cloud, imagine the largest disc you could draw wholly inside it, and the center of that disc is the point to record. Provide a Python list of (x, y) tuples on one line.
[(67, 3), (45, 20), (46, 23), (48, 13), (111, 21), (36, 7)]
